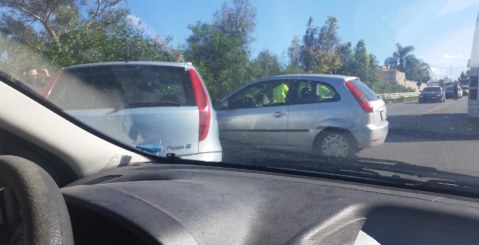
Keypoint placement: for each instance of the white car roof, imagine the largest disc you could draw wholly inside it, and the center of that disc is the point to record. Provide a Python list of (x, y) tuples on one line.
[(171, 64)]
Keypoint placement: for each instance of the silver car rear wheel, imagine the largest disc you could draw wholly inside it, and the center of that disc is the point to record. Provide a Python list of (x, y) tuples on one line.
[(335, 144)]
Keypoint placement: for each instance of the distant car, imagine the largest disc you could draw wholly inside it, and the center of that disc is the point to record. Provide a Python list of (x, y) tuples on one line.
[(159, 107), (465, 89), (330, 115), (464, 84), (433, 93), (450, 92)]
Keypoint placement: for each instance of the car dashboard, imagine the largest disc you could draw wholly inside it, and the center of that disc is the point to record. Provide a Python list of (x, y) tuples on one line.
[(194, 204)]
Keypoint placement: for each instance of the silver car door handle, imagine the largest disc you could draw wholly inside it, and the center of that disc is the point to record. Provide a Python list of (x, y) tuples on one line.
[(278, 114)]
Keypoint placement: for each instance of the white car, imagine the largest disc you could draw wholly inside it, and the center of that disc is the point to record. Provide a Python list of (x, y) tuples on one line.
[(159, 107)]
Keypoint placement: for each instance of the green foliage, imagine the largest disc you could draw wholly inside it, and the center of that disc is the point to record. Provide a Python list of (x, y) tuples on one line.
[(294, 53), (237, 21), (415, 69), (16, 58), (318, 52), (222, 61), (418, 71), (390, 87), (292, 69), (220, 50), (73, 32), (266, 64), (54, 17), (347, 59), (99, 44), (401, 58), (358, 62)]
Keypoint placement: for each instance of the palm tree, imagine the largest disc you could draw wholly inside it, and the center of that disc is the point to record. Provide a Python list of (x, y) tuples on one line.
[(401, 58), (418, 70)]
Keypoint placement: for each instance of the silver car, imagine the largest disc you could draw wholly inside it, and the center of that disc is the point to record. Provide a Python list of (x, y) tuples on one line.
[(327, 115), (158, 107)]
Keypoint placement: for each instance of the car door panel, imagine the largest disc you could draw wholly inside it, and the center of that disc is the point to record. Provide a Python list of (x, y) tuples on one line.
[(255, 127), (256, 116)]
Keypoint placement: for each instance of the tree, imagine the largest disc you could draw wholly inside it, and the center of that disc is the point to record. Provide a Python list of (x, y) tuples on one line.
[(358, 62), (294, 52), (220, 50), (365, 64), (294, 55), (372, 78), (309, 47), (222, 61), (318, 52), (401, 58), (73, 32), (14, 54), (55, 17), (346, 56), (328, 41), (414, 69), (265, 64), (419, 71), (237, 21), (95, 44)]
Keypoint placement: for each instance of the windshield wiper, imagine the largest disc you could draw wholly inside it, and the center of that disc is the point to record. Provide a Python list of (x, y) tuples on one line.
[(143, 104), (139, 104), (388, 172), (413, 176)]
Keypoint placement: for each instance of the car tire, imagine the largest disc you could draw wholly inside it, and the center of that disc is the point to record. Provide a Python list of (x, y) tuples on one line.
[(335, 143)]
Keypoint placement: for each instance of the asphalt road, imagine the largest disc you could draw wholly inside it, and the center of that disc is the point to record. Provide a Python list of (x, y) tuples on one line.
[(438, 135)]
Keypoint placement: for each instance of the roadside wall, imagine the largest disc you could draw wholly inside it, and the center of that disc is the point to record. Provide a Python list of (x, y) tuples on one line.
[(386, 75)]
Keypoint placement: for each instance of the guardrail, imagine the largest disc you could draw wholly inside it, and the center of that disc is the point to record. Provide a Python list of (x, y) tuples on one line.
[(393, 96)]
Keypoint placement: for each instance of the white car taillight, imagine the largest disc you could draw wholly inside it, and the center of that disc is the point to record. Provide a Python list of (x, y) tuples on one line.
[(202, 102)]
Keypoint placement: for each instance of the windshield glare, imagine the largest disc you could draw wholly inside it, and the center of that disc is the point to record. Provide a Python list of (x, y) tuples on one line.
[(117, 86), (255, 82)]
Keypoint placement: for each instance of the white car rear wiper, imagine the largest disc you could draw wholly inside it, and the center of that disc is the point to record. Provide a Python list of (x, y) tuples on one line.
[(139, 104)]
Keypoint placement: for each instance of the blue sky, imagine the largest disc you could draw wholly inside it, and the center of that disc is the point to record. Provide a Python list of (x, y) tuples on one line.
[(440, 30)]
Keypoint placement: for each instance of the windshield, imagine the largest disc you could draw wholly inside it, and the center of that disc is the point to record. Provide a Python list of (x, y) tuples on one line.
[(309, 83), (433, 89)]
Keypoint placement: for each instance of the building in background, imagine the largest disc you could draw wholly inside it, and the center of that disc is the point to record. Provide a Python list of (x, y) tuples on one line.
[(391, 75), (473, 64)]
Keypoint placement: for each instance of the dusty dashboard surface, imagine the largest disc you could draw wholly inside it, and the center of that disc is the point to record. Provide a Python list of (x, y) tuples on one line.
[(193, 204)]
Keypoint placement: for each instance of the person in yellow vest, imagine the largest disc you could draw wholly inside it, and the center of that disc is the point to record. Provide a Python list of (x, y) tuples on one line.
[(324, 92), (280, 92)]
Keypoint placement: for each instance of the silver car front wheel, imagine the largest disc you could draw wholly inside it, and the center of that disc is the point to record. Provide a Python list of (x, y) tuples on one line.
[(335, 144)]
